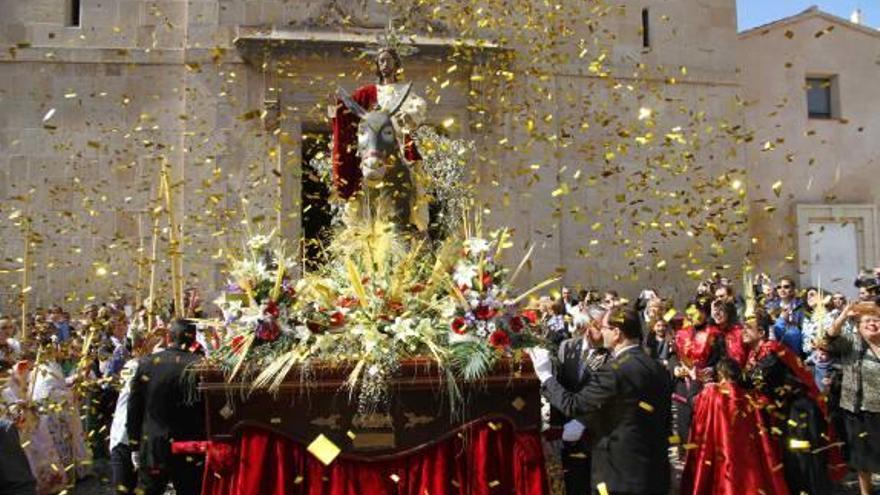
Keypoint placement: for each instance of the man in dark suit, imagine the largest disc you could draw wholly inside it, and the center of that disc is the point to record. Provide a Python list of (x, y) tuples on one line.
[(579, 357), (163, 406), (626, 407), (15, 471)]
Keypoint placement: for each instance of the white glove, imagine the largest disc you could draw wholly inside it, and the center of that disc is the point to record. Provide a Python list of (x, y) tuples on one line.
[(541, 362), (136, 460), (573, 431)]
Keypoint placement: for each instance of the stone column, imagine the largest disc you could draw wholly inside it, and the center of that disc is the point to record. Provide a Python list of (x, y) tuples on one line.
[(289, 171)]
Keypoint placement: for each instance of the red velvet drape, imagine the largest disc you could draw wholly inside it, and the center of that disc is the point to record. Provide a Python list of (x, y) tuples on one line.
[(483, 461)]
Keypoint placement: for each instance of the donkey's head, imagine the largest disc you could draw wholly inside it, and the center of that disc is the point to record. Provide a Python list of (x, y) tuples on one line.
[(377, 142)]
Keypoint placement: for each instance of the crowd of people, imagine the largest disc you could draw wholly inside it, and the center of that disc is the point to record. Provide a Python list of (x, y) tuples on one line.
[(770, 391), (77, 402), (775, 390)]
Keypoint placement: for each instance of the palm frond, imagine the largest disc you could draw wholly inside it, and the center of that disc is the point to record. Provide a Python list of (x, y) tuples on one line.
[(273, 375), (473, 360), (245, 348)]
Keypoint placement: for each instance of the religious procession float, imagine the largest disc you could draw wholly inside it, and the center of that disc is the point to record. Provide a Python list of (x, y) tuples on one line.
[(397, 365)]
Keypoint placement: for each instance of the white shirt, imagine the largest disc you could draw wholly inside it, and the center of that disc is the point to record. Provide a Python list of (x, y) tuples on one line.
[(118, 432), (13, 352)]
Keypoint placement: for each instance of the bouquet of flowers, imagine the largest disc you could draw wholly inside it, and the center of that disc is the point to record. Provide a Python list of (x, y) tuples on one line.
[(487, 322), (258, 304)]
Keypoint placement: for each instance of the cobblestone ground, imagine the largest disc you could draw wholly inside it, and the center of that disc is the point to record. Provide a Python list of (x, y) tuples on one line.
[(99, 486)]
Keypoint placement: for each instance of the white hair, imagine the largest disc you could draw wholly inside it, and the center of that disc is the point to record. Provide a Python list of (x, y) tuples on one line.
[(589, 315), (581, 320)]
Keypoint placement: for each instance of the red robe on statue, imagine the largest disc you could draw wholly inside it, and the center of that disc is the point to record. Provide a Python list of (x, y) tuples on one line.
[(346, 165)]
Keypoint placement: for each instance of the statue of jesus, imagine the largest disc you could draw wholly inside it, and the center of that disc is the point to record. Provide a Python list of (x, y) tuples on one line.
[(348, 166)]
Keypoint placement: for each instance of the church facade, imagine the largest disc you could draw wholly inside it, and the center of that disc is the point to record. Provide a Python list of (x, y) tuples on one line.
[(612, 138)]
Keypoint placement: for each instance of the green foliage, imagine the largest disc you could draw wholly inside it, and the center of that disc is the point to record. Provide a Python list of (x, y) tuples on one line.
[(473, 360)]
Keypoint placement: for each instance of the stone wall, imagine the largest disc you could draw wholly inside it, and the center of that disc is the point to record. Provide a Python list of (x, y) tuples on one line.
[(832, 161), (139, 83)]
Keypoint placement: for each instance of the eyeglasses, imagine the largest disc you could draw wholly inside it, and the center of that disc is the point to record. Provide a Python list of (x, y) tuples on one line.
[(783, 287)]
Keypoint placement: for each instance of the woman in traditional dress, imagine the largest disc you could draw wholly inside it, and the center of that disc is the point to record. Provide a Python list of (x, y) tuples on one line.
[(723, 322), (730, 450), (39, 448), (859, 354), (61, 409), (698, 346), (811, 457)]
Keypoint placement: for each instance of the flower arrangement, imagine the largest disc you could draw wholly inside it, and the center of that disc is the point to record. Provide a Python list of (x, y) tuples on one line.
[(379, 300), (487, 323)]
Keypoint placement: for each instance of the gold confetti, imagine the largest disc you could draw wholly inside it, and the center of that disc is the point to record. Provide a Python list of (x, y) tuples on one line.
[(324, 449), (777, 187)]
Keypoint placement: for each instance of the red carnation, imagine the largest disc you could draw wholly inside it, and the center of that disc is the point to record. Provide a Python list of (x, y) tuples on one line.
[(459, 325), (487, 279), (499, 339), (268, 330), (484, 313), (394, 306), (272, 309), (517, 324), (347, 301), (531, 315), (337, 319), (237, 343)]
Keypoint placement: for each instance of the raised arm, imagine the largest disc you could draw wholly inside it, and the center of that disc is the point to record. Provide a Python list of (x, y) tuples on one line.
[(837, 326)]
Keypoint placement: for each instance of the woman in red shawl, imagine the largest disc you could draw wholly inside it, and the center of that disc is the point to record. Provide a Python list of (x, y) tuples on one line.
[(811, 456), (724, 323), (698, 346)]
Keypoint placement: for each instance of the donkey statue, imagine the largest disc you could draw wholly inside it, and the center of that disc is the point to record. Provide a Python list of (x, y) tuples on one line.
[(387, 177)]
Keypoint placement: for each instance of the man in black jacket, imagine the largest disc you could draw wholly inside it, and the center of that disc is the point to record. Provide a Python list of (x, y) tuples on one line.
[(579, 356), (626, 407), (15, 471), (163, 406)]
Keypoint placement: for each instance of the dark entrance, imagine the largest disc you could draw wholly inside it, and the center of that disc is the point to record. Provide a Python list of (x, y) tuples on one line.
[(315, 194)]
